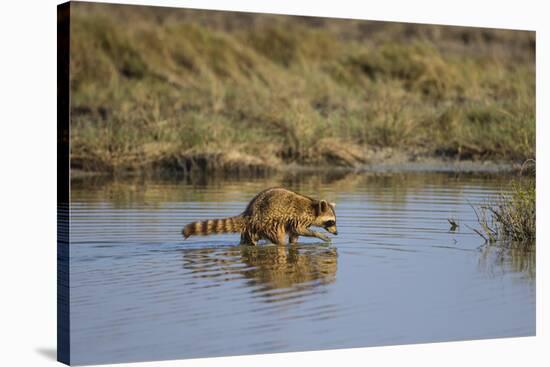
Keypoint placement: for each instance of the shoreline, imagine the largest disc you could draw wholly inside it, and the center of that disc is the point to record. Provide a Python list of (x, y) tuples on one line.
[(399, 163)]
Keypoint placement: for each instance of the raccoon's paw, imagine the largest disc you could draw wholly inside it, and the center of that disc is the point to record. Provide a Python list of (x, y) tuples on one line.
[(323, 237)]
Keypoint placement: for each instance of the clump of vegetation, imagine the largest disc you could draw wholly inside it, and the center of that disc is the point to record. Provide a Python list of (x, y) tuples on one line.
[(159, 87), (511, 217)]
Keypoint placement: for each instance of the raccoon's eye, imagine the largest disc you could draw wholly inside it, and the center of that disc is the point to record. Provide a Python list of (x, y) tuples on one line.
[(329, 223)]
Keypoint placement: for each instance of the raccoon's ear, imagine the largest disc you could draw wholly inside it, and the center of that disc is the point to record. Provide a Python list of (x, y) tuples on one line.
[(323, 206), (333, 205)]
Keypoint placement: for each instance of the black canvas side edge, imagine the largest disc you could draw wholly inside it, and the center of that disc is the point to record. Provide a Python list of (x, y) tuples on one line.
[(63, 183)]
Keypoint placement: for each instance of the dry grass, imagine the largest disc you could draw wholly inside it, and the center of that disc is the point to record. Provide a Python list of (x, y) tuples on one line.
[(155, 86)]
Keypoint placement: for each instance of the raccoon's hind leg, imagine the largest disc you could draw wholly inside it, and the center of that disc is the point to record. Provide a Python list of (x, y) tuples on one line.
[(249, 238), (293, 238)]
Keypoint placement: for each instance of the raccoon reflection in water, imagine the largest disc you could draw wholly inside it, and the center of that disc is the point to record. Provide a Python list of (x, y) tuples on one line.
[(272, 267)]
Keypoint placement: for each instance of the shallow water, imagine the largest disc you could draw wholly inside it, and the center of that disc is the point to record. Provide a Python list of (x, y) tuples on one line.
[(395, 274)]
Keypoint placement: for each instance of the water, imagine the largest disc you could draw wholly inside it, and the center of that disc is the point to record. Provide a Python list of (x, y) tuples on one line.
[(395, 274)]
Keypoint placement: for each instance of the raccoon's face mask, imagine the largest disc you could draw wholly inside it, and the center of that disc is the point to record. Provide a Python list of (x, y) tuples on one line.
[(330, 226), (327, 217)]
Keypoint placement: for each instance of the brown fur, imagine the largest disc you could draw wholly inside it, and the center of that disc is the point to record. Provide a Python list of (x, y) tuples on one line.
[(273, 214)]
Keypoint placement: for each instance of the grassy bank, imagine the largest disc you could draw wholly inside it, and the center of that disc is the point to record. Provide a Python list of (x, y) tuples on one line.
[(179, 89), (512, 217)]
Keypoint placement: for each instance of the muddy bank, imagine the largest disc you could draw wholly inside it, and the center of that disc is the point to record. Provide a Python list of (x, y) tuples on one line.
[(343, 160)]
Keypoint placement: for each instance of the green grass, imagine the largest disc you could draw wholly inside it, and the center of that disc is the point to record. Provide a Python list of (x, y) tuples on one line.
[(154, 86)]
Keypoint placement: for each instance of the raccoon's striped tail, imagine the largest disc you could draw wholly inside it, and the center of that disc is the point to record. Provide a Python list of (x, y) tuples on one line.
[(225, 225)]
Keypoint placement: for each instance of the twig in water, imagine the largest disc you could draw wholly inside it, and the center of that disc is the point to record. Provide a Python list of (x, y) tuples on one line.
[(453, 223)]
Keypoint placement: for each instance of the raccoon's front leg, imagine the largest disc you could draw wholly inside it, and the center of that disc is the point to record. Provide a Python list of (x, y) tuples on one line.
[(277, 237), (280, 238), (293, 238), (309, 233)]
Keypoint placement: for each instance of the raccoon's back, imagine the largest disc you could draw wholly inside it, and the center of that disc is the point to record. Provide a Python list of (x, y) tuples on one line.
[(279, 203)]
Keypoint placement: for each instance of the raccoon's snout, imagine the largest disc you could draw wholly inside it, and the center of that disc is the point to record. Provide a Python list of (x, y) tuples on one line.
[(332, 229)]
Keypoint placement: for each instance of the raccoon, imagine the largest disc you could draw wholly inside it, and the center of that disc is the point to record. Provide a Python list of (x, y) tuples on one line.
[(273, 214)]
